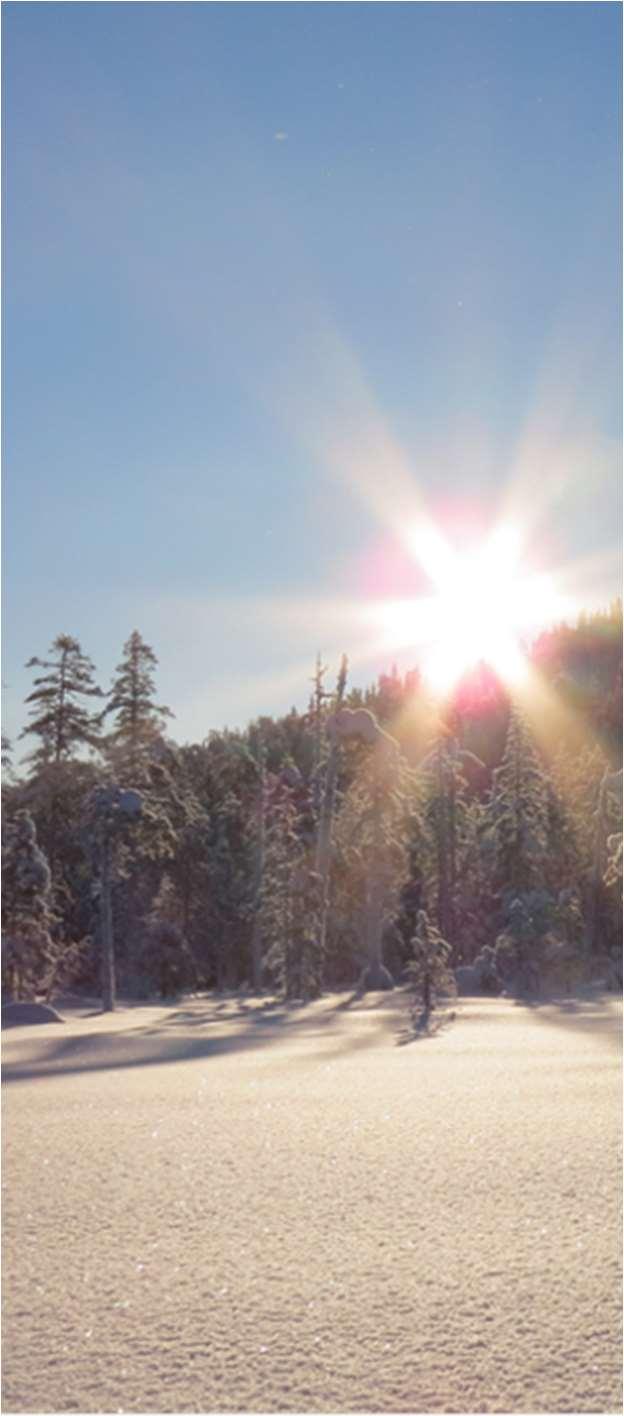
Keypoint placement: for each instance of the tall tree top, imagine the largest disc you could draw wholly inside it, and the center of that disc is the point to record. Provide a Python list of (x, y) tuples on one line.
[(58, 718), (131, 699)]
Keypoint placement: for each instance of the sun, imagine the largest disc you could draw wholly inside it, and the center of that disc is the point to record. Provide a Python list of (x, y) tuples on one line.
[(484, 605), (475, 618)]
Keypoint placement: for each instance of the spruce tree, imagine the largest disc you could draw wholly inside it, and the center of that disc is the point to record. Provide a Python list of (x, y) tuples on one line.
[(282, 863), (167, 959), (371, 835), (6, 758), (259, 852), (516, 828), (452, 824), (138, 719), (323, 845), (428, 971), (59, 716), (27, 917)]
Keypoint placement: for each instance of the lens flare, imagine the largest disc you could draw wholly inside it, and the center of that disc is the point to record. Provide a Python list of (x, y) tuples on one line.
[(485, 607)]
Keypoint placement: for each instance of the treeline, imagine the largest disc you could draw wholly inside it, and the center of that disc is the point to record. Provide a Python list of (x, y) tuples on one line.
[(372, 835)]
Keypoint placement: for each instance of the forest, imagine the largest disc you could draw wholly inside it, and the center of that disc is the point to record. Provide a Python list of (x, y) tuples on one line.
[(380, 836)]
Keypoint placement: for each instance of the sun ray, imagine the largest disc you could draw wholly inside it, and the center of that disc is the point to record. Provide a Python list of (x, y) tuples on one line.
[(553, 722)]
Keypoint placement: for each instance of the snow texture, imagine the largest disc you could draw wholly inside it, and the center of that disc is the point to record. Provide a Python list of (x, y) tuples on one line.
[(230, 1205)]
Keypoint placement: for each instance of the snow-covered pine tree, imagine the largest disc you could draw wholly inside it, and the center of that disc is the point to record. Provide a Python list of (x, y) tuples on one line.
[(577, 849), (59, 717), (613, 872), (167, 960), (523, 947), (28, 952), (6, 758), (371, 833), (323, 847), (316, 718), (420, 882), (137, 756), (452, 822), (259, 861), (567, 854), (138, 719), (111, 815), (515, 842), (283, 861), (285, 890), (516, 822), (607, 871), (429, 970)]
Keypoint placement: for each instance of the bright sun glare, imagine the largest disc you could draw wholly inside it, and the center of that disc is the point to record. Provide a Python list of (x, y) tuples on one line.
[(484, 604)]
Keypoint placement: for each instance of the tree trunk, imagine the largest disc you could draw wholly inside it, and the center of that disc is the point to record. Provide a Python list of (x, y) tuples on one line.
[(323, 845), (597, 871), (108, 948), (256, 937)]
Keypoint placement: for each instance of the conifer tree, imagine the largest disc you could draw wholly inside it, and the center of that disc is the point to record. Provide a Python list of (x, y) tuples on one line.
[(577, 849), (283, 859), (429, 971), (419, 886), (138, 719), (452, 822), (323, 850), (516, 831), (520, 947), (259, 871), (6, 758), (59, 717), (167, 958), (606, 872), (316, 718), (111, 813), (371, 834), (27, 917)]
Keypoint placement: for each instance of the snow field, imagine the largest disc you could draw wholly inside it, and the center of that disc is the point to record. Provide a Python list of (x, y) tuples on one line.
[(220, 1206)]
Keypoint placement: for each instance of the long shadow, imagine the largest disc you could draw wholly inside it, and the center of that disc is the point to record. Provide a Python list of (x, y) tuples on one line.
[(426, 1025), (383, 999), (258, 1027), (588, 1015)]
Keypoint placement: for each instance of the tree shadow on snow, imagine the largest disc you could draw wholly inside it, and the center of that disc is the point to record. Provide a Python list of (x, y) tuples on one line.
[(188, 1034), (426, 1024), (595, 1014)]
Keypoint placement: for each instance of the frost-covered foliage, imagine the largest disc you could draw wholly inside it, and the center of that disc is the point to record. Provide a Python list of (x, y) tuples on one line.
[(323, 871), (166, 961), (325, 782), (28, 952), (6, 758), (371, 850), (288, 907), (516, 825), (519, 946), (429, 970), (481, 976), (575, 779), (609, 814), (543, 940), (613, 870), (453, 819)]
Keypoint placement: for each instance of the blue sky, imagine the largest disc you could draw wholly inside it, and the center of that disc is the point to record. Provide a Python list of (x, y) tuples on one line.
[(268, 270)]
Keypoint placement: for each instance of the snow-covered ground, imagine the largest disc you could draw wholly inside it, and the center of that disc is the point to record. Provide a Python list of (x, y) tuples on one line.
[(235, 1206)]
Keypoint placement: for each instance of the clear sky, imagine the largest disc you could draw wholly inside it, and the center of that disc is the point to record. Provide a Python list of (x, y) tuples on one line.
[(271, 271)]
